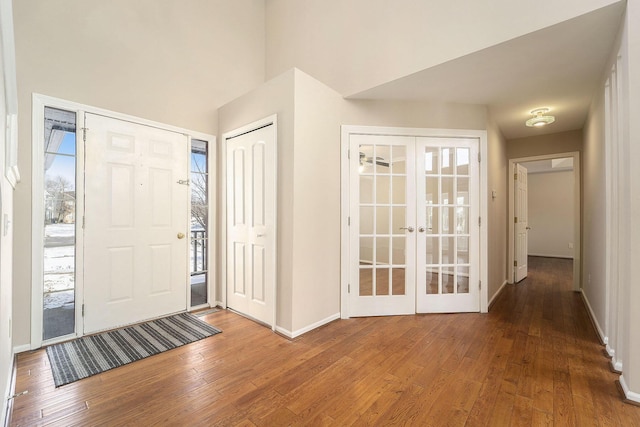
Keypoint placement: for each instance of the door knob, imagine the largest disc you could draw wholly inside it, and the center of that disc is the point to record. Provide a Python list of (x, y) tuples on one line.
[(409, 229), (180, 235), (421, 229), (528, 228)]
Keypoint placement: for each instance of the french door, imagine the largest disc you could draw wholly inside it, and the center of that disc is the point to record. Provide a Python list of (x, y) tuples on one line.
[(136, 210), (414, 232)]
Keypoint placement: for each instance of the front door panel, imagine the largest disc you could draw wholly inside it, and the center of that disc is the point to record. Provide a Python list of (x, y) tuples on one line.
[(135, 213)]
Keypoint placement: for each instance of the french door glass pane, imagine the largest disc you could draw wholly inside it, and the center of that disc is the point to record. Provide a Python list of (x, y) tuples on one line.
[(382, 205), (59, 223), (447, 207)]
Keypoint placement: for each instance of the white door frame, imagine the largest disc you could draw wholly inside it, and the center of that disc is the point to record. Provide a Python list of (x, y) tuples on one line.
[(576, 212), (39, 102), (267, 121), (345, 256)]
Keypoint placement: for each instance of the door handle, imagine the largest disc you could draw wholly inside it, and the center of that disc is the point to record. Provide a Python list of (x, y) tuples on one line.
[(409, 229), (180, 235), (421, 229), (528, 228)]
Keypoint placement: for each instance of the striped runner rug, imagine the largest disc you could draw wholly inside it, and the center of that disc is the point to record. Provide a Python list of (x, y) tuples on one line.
[(73, 360)]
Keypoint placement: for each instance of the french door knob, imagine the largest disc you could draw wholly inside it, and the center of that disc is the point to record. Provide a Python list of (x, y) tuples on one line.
[(421, 229), (409, 229)]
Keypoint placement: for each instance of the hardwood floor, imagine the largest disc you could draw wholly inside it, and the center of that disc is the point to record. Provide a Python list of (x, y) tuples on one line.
[(533, 360)]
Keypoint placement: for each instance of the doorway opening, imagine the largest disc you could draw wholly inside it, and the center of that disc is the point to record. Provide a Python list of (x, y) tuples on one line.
[(546, 225)]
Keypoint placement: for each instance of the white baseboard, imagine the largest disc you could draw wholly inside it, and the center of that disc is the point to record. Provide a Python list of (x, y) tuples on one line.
[(289, 334), (616, 365), (628, 394), (603, 338), (497, 294), (21, 348), (551, 255), (610, 351)]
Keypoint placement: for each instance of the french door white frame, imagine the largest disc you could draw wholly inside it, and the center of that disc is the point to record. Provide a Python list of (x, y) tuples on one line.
[(345, 254), (39, 102), (576, 212), (267, 121)]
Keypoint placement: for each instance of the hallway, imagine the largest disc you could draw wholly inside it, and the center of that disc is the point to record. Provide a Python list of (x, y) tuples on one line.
[(533, 360)]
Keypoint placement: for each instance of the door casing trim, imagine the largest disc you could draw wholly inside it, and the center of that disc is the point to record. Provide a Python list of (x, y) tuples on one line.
[(267, 121), (576, 213), (39, 102), (346, 132)]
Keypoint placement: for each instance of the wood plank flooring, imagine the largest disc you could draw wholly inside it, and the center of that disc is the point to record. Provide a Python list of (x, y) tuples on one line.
[(533, 360)]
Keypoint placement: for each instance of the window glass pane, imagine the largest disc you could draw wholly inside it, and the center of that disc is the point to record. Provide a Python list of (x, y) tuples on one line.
[(431, 160), (382, 281), (398, 282), (383, 190), (432, 280), (199, 187), (366, 189), (365, 157), (447, 161), (366, 219), (59, 223), (383, 159)]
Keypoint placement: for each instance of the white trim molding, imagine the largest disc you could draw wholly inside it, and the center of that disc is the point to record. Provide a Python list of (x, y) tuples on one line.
[(291, 335), (594, 320), (497, 294), (628, 394)]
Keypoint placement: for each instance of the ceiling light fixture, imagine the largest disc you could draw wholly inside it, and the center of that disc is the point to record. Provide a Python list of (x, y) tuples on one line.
[(539, 118)]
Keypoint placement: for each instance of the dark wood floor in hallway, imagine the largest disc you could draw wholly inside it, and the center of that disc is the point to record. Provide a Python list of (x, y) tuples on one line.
[(533, 360)]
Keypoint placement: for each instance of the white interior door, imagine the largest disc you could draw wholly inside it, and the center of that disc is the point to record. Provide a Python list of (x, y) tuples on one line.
[(448, 225), (521, 223), (136, 221), (251, 228), (414, 231), (383, 236)]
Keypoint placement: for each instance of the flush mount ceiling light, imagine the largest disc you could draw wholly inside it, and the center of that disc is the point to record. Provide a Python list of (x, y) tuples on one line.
[(539, 118)]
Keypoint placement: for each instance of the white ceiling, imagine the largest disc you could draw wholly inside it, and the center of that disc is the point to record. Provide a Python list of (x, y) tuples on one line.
[(558, 67)]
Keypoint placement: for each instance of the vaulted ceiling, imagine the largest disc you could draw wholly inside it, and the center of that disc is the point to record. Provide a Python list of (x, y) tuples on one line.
[(558, 67)]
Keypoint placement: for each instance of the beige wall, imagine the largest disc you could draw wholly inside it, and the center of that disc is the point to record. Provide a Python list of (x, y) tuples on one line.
[(553, 143), (6, 208), (316, 192), (163, 60), (551, 213), (631, 100), (497, 208), (358, 44), (274, 97)]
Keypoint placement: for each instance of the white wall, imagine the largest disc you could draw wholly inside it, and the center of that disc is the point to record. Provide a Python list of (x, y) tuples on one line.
[(358, 44), (551, 214), (163, 60)]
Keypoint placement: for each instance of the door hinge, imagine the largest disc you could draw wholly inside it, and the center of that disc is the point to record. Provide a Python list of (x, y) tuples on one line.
[(479, 221), (515, 219), (82, 310), (515, 176), (515, 263), (83, 222), (348, 154), (479, 157), (349, 288), (349, 221), (480, 284), (84, 134)]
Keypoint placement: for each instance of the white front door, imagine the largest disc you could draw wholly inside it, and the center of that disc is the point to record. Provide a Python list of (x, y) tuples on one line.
[(448, 225), (383, 219), (414, 232), (251, 230), (136, 221), (521, 221)]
